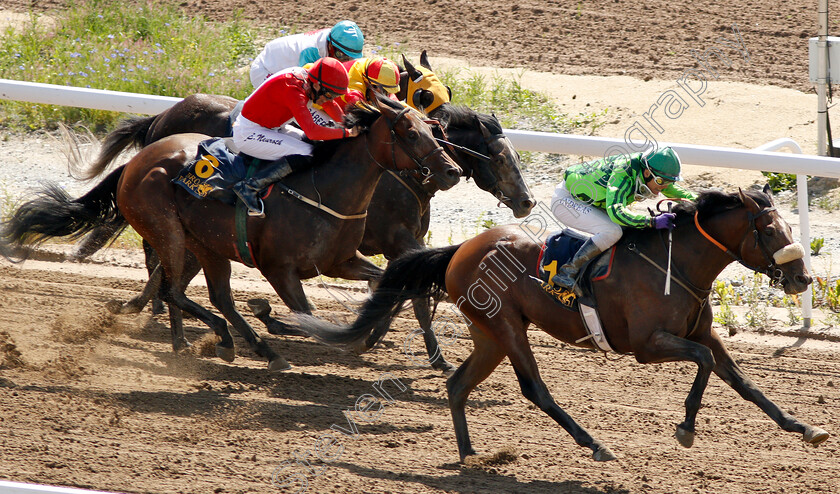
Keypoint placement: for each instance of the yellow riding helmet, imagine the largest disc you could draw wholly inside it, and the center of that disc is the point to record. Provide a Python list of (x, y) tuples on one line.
[(383, 72)]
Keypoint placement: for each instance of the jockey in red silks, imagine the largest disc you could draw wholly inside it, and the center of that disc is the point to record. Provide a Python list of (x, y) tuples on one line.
[(344, 41), (263, 130)]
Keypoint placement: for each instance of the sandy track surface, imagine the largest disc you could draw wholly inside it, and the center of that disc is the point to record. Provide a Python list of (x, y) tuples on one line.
[(95, 400)]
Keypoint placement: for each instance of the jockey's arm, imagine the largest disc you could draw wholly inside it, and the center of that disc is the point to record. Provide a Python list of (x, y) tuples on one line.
[(675, 191), (297, 103), (620, 192), (335, 109)]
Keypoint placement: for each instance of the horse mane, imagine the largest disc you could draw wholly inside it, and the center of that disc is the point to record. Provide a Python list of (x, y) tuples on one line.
[(361, 115), (464, 116), (712, 202)]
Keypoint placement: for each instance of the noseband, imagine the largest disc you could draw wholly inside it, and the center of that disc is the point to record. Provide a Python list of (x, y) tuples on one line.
[(771, 267)]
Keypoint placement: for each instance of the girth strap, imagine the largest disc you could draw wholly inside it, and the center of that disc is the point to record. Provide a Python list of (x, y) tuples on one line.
[(241, 222), (410, 189)]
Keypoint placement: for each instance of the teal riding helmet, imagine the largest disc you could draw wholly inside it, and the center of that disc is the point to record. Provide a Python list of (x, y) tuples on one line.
[(347, 37), (664, 163)]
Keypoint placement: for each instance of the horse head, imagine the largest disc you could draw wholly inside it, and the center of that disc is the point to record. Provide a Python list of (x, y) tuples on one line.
[(421, 88), (761, 240), (771, 247), (407, 143), (487, 155)]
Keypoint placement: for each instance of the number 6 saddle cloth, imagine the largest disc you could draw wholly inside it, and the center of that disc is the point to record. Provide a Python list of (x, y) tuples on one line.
[(557, 250), (213, 171)]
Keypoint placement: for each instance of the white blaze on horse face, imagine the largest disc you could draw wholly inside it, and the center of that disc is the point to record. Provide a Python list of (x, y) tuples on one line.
[(788, 253)]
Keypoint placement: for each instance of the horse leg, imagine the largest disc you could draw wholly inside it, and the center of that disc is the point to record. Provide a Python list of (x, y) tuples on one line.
[(152, 262), (423, 313), (662, 346), (217, 274), (136, 304), (515, 341), (485, 357), (177, 301), (728, 370)]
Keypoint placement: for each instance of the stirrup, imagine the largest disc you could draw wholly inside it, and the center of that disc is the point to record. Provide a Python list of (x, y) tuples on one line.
[(261, 212)]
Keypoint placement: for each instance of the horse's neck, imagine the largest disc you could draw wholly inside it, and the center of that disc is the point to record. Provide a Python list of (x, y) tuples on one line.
[(347, 180), (699, 259)]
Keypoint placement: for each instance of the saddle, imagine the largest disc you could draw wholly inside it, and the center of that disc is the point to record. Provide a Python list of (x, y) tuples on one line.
[(557, 250), (213, 171)]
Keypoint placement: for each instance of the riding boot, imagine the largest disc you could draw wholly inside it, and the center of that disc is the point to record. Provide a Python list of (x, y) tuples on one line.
[(567, 273), (248, 189)]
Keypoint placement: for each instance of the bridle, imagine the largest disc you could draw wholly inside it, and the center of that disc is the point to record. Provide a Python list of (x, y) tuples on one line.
[(494, 187), (770, 268), (422, 169)]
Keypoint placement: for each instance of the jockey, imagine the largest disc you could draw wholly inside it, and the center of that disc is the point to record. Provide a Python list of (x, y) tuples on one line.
[(377, 74), (263, 129), (594, 197), (344, 41)]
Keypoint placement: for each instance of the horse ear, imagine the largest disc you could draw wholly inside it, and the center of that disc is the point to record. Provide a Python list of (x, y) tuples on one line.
[(424, 60), (484, 131), (748, 201), (412, 72)]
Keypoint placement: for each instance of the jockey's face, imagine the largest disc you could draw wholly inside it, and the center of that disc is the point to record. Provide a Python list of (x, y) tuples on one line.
[(338, 54), (655, 184)]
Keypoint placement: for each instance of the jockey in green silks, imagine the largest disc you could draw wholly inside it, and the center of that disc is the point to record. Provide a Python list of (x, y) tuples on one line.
[(593, 198)]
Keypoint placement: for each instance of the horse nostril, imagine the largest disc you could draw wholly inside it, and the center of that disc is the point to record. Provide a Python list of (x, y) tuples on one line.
[(453, 174), (804, 279), (528, 204)]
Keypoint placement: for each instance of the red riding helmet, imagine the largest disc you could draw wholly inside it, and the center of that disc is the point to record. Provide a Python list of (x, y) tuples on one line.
[(330, 74)]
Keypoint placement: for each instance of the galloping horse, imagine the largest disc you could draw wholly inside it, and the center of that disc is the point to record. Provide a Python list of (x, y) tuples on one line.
[(399, 215), (293, 242), (637, 318)]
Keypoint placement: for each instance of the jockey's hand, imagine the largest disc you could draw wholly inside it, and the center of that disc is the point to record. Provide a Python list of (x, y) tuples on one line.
[(663, 221), (353, 131)]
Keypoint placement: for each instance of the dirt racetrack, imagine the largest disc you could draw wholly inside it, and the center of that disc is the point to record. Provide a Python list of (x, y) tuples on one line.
[(99, 401)]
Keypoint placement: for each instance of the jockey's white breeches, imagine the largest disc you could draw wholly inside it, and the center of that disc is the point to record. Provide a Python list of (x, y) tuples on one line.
[(584, 217), (268, 144)]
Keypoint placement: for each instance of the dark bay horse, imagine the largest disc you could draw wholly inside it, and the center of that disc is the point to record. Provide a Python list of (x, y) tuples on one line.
[(294, 241), (499, 306), (398, 216)]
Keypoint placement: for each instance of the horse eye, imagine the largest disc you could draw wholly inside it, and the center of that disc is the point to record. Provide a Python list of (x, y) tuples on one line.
[(413, 135), (769, 231)]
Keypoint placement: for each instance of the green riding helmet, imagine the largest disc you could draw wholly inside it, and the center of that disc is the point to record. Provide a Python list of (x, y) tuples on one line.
[(664, 163)]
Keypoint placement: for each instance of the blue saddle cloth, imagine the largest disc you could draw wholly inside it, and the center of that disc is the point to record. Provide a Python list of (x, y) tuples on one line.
[(214, 169), (558, 249)]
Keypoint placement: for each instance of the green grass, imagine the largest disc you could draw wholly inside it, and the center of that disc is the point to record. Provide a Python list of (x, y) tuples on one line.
[(146, 47)]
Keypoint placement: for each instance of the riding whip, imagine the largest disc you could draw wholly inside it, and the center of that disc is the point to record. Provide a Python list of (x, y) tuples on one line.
[(670, 244)]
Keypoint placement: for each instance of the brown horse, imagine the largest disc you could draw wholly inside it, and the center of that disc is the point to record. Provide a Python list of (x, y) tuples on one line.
[(294, 241), (398, 216), (487, 277)]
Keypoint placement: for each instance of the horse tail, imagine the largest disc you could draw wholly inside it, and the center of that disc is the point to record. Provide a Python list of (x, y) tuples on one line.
[(414, 275), (130, 132), (53, 213)]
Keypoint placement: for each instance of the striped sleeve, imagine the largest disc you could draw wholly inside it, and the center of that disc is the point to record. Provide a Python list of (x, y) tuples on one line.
[(620, 193), (675, 190)]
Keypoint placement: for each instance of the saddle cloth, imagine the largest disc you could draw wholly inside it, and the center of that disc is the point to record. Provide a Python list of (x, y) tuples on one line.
[(558, 249), (213, 171)]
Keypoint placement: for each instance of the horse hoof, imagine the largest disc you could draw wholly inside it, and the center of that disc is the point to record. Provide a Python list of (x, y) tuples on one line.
[(684, 437), (228, 354), (181, 346), (278, 364), (260, 307), (359, 348), (114, 307), (815, 436), (445, 367), (603, 454)]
